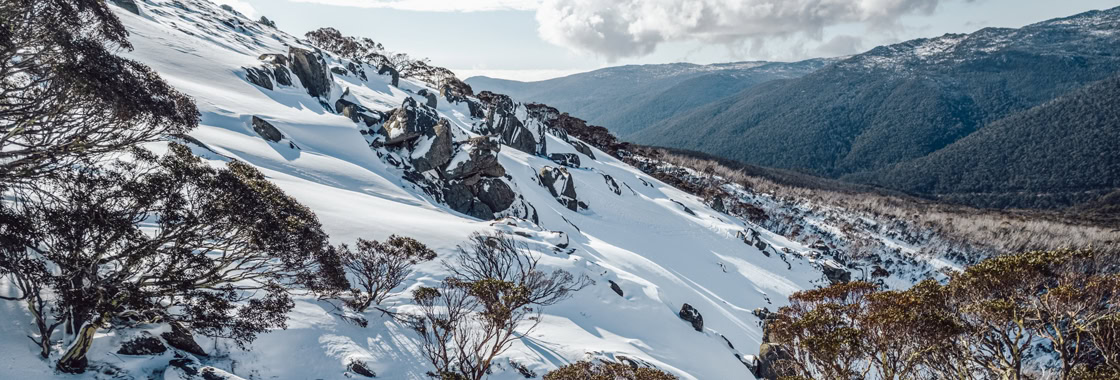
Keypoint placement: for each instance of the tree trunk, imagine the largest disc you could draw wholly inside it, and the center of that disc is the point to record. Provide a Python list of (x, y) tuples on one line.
[(74, 360), (44, 330)]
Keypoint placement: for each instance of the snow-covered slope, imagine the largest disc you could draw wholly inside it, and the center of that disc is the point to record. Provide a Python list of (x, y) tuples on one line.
[(663, 247)]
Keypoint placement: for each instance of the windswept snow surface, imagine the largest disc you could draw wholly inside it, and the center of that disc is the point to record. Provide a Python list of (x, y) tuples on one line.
[(646, 240)]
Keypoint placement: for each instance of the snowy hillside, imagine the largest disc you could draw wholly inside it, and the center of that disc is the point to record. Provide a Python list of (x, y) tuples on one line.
[(371, 158)]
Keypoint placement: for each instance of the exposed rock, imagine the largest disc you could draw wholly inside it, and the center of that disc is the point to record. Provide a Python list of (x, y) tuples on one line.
[(429, 96), (409, 122), (769, 356), (266, 22), (188, 369), (357, 70), (389, 70), (358, 113), (143, 344), (279, 68), (459, 197), (692, 316), (560, 184), (128, 5), (819, 245), (181, 338), (311, 71), (495, 193), (266, 130), (717, 204), (582, 148), (500, 119), (880, 272), (260, 77), (278, 59), (570, 160), (836, 275), (729, 345), (762, 246), (340, 71), (616, 288), (763, 313), (440, 150), (455, 90), (356, 366), (482, 159), (612, 185)]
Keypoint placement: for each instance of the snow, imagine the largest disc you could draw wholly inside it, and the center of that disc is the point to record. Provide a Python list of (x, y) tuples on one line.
[(660, 255)]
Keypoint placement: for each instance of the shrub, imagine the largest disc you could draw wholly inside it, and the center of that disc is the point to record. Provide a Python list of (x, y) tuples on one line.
[(379, 267), (494, 291), (584, 370)]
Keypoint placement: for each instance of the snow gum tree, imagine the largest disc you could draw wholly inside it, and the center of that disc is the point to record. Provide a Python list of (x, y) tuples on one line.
[(985, 323), (377, 268), (65, 95), (496, 289), (147, 238)]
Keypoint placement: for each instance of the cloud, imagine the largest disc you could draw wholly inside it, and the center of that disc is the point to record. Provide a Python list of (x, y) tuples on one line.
[(239, 5), (435, 5), (617, 29), (841, 45)]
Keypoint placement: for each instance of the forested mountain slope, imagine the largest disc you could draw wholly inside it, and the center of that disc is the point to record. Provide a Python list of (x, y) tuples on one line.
[(628, 99), (898, 103)]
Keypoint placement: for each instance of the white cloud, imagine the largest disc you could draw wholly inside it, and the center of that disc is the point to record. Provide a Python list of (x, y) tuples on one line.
[(239, 5), (617, 29), (435, 5)]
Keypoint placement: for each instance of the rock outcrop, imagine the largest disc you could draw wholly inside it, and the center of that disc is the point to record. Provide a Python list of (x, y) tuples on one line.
[(835, 274), (570, 160), (311, 70), (273, 69), (359, 113), (560, 184), (499, 114), (611, 184), (391, 72), (360, 368), (770, 356), (455, 91), (188, 369), (429, 97), (439, 148), (464, 174), (692, 316), (181, 338), (409, 122), (266, 130), (478, 156), (617, 289), (767, 365), (582, 148), (143, 344)]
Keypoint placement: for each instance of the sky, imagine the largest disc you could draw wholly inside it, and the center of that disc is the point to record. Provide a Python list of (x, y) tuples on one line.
[(541, 39)]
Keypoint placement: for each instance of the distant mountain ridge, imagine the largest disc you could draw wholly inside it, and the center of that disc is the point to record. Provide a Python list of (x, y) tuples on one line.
[(872, 117), (627, 99)]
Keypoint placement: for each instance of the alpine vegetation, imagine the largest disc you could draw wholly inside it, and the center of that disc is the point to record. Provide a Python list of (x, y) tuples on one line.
[(190, 193)]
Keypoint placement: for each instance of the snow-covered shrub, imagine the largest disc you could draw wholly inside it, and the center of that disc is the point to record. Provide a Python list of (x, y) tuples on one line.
[(169, 238), (584, 370), (988, 321), (495, 289), (378, 267)]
